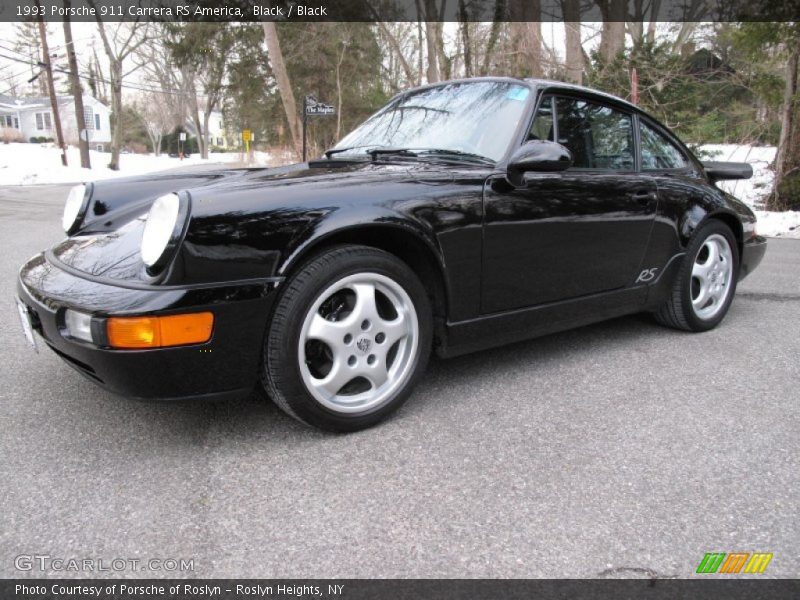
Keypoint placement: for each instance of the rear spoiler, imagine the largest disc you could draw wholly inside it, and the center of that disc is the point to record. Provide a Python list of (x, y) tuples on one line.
[(718, 171)]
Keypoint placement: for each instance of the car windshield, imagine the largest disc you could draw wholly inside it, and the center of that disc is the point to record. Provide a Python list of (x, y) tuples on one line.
[(473, 118)]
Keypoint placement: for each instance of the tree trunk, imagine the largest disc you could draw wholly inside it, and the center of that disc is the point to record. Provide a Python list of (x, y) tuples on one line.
[(206, 134), (50, 85), (339, 92), (284, 84), (787, 160), (445, 62), (116, 109), (572, 28), (77, 93), (397, 52), (655, 9), (463, 16), (430, 39), (201, 141), (612, 37), (526, 37), (494, 34), (419, 49)]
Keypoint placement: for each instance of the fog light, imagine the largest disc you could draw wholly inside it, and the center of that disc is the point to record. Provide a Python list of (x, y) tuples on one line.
[(78, 325), (158, 332)]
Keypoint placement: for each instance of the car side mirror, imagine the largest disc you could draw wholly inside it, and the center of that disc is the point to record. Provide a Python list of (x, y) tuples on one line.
[(540, 156)]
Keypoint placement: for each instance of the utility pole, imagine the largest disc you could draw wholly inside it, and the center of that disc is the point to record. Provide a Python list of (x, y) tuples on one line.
[(51, 88), (77, 93)]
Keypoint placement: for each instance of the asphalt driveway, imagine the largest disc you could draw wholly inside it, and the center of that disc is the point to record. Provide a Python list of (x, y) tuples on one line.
[(617, 449)]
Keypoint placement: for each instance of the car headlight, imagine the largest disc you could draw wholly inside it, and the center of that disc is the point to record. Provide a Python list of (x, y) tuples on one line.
[(162, 229), (74, 208)]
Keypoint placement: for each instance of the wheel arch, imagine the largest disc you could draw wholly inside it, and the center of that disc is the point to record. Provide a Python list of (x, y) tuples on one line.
[(735, 225), (697, 216), (399, 240)]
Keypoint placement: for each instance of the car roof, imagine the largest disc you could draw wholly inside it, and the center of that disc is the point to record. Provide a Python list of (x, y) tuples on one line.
[(534, 82)]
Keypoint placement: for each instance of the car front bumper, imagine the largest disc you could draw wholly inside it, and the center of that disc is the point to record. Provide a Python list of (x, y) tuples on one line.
[(226, 366)]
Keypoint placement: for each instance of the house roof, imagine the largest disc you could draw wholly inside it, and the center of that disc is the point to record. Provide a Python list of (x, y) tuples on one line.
[(25, 102)]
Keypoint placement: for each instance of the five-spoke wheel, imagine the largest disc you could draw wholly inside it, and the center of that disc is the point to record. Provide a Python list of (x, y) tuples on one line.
[(712, 273), (349, 337), (358, 342), (706, 282)]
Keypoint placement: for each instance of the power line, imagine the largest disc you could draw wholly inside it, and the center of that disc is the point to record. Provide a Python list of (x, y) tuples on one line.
[(102, 79)]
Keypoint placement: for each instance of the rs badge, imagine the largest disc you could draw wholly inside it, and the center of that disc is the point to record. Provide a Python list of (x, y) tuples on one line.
[(647, 275)]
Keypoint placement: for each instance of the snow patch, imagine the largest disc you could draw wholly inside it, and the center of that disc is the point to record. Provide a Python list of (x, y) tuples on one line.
[(31, 164)]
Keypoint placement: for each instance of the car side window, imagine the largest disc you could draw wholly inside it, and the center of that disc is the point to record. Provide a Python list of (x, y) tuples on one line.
[(542, 126), (598, 136), (658, 152)]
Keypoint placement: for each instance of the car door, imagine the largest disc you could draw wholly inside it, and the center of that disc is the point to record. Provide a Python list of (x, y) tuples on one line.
[(569, 234)]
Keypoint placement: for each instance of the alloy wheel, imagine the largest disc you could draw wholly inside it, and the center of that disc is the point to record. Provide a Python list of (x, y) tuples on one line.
[(358, 343), (712, 273)]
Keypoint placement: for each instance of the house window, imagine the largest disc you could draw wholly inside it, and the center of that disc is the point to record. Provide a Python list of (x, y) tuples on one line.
[(43, 121), (7, 121), (99, 147), (97, 121), (16, 123), (88, 117), (219, 141)]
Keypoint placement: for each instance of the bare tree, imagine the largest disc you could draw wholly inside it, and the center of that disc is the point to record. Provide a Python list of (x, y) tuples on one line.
[(526, 37), (48, 67), (430, 40), (612, 38), (394, 45), (786, 160), (574, 50), (119, 45), (153, 111), (284, 83), (161, 72), (77, 91)]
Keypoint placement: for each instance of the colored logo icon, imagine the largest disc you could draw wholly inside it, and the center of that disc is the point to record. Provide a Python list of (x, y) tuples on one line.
[(735, 562)]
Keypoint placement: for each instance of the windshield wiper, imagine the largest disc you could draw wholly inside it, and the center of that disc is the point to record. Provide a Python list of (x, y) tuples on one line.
[(332, 151), (375, 152), (458, 155)]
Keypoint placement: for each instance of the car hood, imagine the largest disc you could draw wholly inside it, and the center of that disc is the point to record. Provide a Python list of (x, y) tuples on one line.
[(243, 207)]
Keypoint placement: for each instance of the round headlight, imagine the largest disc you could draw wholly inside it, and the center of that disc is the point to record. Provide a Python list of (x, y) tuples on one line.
[(159, 228), (73, 207)]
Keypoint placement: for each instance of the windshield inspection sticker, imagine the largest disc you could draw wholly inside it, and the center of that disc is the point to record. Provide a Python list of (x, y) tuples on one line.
[(518, 93)]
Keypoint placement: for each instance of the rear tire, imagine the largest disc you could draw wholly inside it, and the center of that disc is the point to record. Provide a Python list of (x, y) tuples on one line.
[(349, 339), (706, 282)]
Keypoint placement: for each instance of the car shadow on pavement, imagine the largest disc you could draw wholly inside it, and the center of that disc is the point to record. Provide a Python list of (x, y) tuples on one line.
[(256, 417)]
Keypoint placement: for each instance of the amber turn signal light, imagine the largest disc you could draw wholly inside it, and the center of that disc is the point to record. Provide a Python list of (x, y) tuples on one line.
[(159, 332)]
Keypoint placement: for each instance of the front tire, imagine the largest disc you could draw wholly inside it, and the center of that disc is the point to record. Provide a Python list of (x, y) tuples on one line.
[(349, 339), (706, 282)]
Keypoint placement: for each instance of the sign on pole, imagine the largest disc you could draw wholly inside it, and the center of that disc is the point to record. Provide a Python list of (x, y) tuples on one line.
[(247, 136), (312, 108), (182, 136)]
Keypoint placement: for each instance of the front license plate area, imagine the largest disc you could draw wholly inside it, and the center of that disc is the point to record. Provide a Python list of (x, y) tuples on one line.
[(27, 327)]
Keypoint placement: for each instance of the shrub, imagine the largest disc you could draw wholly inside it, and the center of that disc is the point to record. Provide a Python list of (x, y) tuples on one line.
[(10, 135), (787, 195)]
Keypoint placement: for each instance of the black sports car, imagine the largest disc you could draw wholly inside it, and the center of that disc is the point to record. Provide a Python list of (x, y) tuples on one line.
[(460, 216)]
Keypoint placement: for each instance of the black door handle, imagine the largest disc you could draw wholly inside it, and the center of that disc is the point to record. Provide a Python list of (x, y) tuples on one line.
[(644, 196)]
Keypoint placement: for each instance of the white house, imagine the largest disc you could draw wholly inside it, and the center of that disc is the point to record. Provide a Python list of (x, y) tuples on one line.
[(33, 117), (216, 128)]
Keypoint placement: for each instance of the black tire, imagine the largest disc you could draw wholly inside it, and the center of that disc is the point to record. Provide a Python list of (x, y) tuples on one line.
[(678, 312), (281, 374)]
